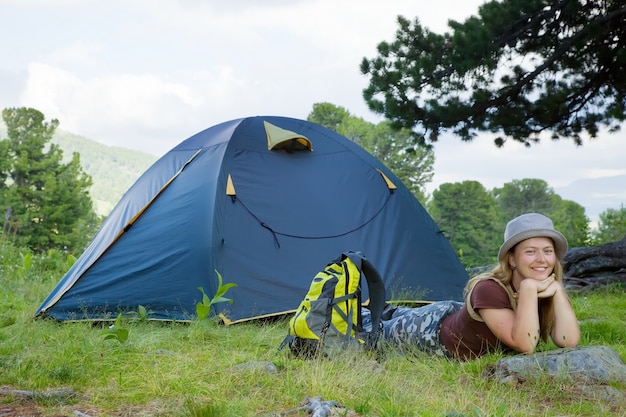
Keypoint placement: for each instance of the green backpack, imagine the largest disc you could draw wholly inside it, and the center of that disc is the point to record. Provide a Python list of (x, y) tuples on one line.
[(329, 317)]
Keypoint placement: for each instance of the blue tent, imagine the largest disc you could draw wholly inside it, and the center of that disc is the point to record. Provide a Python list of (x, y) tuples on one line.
[(267, 202)]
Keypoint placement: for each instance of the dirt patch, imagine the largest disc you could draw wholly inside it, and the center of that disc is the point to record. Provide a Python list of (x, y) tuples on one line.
[(21, 409), (23, 403)]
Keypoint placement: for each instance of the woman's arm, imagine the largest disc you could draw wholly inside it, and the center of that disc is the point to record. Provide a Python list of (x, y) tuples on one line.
[(565, 330), (519, 329)]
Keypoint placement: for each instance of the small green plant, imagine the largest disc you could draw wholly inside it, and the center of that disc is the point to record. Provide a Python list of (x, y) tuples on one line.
[(141, 315), (203, 309), (193, 409), (116, 331), (69, 260), (27, 261)]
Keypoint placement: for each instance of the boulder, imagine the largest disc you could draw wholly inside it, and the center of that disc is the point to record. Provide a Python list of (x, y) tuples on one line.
[(585, 365), (588, 268), (591, 368)]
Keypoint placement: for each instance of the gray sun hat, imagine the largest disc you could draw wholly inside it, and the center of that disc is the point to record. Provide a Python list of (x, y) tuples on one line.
[(532, 225)]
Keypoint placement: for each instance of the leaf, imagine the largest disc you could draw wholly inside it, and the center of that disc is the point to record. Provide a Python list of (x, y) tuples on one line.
[(221, 300), (219, 278), (122, 335), (142, 311), (205, 298), (222, 290), (202, 311)]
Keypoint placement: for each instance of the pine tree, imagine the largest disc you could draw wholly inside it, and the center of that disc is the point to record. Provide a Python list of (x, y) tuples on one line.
[(47, 202), (518, 69)]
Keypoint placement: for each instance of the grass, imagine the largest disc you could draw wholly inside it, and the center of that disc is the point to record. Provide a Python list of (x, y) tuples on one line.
[(194, 370)]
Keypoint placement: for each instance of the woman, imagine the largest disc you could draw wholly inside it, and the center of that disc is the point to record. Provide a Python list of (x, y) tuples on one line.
[(509, 308)]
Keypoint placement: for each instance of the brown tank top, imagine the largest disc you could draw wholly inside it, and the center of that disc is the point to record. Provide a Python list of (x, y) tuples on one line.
[(467, 338)]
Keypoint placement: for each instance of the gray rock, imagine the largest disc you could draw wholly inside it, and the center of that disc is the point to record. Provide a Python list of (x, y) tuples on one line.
[(261, 366), (605, 393), (584, 365), (163, 352)]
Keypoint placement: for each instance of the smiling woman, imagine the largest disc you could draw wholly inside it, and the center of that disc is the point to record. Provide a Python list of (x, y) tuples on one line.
[(509, 308)]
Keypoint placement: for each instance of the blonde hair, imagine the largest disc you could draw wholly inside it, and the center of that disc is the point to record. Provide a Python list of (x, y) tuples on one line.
[(503, 275)]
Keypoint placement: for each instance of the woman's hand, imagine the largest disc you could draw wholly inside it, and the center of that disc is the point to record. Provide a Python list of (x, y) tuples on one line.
[(550, 287), (545, 288)]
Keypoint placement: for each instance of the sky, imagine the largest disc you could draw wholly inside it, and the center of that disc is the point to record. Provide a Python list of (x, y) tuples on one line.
[(147, 74)]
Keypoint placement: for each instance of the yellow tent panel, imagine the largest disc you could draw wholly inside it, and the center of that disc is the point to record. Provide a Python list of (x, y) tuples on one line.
[(230, 187), (278, 138), (389, 183)]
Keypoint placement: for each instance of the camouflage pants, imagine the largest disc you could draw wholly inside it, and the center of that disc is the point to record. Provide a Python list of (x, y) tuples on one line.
[(419, 327)]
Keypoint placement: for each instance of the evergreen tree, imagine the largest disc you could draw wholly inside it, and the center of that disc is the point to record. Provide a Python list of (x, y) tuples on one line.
[(569, 218), (47, 202), (523, 196), (466, 213), (518, 69), (611, 227)]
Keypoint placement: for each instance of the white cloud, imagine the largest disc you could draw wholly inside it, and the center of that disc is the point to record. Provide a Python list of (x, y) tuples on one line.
[(558, 162), (97, 107), (602, 172), (48, 89), (162, 66), (79, 52)]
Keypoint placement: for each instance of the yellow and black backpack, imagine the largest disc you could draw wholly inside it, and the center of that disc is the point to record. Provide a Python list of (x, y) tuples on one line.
[(329, 318)]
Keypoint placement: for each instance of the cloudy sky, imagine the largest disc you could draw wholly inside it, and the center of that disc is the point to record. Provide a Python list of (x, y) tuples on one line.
[(147, 74)]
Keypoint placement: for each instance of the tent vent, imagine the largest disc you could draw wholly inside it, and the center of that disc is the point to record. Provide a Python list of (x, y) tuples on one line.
[(230, 188), (278, 138), (389, 183)]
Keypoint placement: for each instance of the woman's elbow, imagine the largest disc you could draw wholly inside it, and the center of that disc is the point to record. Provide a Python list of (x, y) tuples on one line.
[(526, 348), (568, 342)]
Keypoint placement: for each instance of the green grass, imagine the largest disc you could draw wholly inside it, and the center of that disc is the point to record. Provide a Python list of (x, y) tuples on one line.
[(194, 370)]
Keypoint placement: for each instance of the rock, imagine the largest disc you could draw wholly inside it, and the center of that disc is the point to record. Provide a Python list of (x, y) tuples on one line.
[(591, 368), (591, 267), (261, 366), (585, 261), (163, 352), (585, 365), (605, 393), (56, 394)]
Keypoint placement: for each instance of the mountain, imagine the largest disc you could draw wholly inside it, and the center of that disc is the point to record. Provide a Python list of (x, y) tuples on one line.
[(596, 194), (112, 169)]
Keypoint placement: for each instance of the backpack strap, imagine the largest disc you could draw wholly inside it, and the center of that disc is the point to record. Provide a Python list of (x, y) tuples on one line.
[(375, 286)]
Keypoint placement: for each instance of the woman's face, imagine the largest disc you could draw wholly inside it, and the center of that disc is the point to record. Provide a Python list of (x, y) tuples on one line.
[(534, 258)]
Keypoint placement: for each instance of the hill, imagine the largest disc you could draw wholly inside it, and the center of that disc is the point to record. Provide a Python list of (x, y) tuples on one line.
[(596, 194), (112, 169)]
